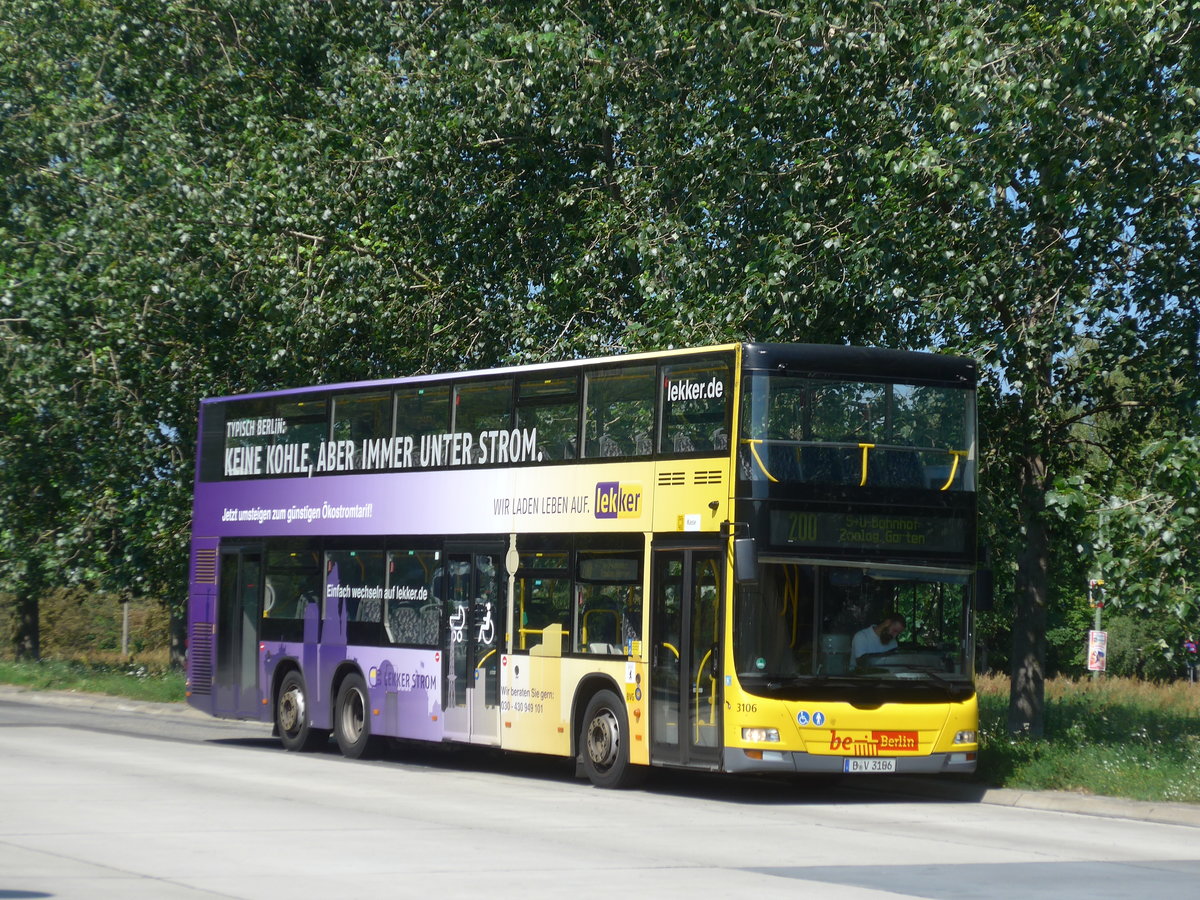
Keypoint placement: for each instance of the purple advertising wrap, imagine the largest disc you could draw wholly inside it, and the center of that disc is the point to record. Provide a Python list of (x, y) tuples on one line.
[(495, 501)]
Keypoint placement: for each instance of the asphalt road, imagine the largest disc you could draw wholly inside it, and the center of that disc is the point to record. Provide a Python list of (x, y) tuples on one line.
[(103, 798)]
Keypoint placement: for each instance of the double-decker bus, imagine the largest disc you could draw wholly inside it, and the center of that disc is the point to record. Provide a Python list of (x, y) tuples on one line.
[(661, 559)]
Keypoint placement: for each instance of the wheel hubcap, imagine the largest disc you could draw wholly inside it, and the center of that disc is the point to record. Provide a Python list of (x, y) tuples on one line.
[(603, 739), (354, 716), (291, 711)]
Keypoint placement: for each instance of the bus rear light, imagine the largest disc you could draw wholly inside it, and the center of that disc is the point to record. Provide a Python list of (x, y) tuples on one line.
[(761, 734)]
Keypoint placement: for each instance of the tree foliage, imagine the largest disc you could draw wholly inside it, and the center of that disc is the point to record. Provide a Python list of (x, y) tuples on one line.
[(236, 194)]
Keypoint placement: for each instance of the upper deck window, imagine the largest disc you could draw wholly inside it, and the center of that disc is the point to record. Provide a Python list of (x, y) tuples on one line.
[(360, 418), (865, 433), (619, 412), (273, 439), (696, 400), (550, 407)]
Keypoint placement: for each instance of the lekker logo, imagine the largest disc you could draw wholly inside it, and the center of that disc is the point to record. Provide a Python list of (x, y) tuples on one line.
[(618, 501)]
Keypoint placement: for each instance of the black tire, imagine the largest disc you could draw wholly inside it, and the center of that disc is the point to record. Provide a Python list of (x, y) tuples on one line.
[(352, 718), (604, 743), (291, 716)]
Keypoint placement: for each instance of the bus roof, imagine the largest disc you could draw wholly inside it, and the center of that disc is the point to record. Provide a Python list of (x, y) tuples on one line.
[(836, 360)]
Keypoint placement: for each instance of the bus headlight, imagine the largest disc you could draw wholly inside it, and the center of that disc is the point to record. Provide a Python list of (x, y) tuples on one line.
[(761, 734), (965, 737)]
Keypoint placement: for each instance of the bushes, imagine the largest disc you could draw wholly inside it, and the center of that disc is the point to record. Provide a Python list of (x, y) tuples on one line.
[(83, 625), (1114, 736)]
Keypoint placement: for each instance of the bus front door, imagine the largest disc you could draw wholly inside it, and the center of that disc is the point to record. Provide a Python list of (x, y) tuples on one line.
[(474, 642), (239, 610), (685, 709)]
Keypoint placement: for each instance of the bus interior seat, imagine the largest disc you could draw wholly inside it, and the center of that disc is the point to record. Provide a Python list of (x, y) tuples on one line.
[(783, 463), (631, 628), (682, 443), (601, 625), (609, 447), (895, 468), (821, 465), (402, 622), (369, 610), (835, 654)]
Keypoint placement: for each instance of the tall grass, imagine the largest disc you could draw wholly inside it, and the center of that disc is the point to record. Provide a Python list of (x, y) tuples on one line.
[(81, 644), (1112, 736), (135, 679)]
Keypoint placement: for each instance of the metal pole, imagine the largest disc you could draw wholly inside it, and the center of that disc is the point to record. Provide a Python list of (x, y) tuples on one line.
[(125, 629)]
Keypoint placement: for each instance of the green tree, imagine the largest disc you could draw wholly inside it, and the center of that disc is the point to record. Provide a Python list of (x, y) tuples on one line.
[(1054, 245), (153, 249), (204, 198)]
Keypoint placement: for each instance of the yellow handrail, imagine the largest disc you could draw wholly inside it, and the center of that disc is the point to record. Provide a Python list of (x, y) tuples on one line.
[(752, 442), (866, 449), (712, 696), (957, 455)]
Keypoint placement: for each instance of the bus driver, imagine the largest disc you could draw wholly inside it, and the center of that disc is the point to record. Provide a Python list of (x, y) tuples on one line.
[(877, 638)]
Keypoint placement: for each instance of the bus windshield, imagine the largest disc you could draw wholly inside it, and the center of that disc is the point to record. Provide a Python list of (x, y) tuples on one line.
[(799, 429), (862, 625)]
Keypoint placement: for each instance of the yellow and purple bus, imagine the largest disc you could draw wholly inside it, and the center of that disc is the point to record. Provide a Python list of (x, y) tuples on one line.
[(662, 559)]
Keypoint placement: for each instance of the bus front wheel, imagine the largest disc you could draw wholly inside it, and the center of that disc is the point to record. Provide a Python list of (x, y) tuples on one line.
[(352, 719), (604, 743), (291, 716)]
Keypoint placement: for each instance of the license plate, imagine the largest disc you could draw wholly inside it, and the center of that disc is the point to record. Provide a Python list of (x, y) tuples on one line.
[(870, 765)]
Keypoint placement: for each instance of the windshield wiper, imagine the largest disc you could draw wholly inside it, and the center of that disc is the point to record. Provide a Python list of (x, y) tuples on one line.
[(932, 673)]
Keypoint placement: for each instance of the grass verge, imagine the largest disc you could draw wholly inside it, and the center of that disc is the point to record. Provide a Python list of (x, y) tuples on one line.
[(1114, 737), (135, 680)]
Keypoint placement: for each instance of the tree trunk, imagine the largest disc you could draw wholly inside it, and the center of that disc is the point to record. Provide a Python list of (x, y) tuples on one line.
[(178, 636), (28, 637), (1026, 704)]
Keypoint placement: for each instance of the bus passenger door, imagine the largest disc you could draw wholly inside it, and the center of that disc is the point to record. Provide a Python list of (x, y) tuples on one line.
[(239, 610), (474, 642), (685, 709)]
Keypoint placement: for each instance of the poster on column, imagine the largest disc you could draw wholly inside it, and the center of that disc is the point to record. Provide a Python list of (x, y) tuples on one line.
[(1097, 650)]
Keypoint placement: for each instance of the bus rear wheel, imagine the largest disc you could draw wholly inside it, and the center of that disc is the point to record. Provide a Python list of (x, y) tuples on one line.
[(352, 719), (604, 743), (291, 716)]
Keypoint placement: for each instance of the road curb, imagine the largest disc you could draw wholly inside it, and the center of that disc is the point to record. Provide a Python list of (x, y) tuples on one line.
[(953, 790), (84, 700)]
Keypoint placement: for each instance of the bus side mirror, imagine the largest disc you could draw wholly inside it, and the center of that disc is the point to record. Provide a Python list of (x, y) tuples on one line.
[(745, 560), (984, 590)]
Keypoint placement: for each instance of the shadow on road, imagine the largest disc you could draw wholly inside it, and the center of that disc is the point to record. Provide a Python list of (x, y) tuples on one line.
[(763, 790)]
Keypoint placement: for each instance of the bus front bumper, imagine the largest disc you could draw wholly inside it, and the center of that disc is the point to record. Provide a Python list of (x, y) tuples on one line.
[(789, 762)]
